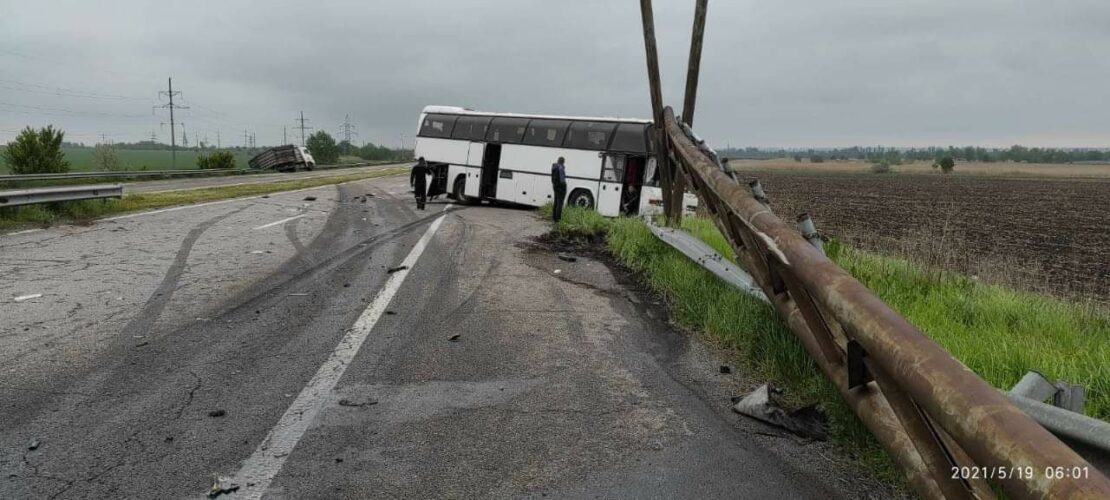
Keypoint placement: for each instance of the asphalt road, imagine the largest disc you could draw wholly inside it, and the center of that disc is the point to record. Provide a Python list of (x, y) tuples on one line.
[(272, 343), (181, 183)]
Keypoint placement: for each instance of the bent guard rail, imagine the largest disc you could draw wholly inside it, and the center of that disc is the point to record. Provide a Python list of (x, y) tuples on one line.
[(929, 411)]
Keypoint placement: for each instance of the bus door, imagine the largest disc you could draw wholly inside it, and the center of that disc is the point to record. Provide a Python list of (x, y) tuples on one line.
[(491, 165), (609, 189), (474, 178)]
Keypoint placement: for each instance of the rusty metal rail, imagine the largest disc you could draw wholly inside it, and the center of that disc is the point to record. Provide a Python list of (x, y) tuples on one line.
[(931, 413)]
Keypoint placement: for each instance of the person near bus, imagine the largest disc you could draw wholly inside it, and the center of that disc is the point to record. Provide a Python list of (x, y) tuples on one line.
[(420, 182), (559, 185)]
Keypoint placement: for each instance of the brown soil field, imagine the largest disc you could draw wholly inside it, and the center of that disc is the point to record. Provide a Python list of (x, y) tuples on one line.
[(1002, 169), (1042, 234)]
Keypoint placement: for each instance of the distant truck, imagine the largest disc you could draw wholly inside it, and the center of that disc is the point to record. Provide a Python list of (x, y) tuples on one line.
[(286, 158)]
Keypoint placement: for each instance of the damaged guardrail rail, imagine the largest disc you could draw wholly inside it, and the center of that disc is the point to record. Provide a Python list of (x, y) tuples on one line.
[(933, 415)]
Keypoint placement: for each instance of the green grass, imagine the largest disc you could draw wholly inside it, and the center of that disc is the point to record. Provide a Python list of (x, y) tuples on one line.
[(86, 210), (997, 332), (80, 159)]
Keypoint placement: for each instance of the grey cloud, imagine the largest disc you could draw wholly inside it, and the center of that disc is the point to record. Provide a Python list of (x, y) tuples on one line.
[(806, 72)]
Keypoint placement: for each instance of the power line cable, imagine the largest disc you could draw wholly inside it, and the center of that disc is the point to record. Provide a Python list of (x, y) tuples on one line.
[(61, 91), (68, 112)]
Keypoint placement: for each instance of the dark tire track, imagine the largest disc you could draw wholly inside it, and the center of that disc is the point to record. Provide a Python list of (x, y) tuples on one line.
[(152, 309)]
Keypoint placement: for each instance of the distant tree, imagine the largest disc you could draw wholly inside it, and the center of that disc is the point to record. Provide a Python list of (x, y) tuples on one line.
[(371, 152), (817, 159), (798, 158), (323, 148), (36, 152), (881, 168), (946, 164), (216, 160), (105, 158), (346, 147)]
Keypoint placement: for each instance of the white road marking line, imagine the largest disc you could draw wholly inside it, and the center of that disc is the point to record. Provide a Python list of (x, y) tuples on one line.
[(229, 200), (265, 463), (282, 221), (21, 298)]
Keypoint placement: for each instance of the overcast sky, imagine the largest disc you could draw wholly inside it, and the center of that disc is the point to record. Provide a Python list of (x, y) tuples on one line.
[(775, 73)]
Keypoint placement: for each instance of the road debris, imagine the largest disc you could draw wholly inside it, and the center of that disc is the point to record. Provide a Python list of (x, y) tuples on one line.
[(309, 198), (761, 405), (298, 295), (566, 257), (219, 489), (390, 313), (395, 269), (140, 344), (557, 271), (454, 338), (35, 443), (348, 402), (217, 413), (726, 369), (21, 298)]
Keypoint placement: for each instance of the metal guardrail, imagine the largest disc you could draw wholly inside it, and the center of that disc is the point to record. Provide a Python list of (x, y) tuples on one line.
[(65, 193), (167, 173), (929, 411), (709, 259)]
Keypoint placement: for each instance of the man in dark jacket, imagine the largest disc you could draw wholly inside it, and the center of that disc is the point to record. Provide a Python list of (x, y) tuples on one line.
[(420, 182), (559, 185)]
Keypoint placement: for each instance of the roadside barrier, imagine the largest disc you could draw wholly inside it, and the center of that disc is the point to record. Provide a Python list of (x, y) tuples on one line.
[(948, 430)]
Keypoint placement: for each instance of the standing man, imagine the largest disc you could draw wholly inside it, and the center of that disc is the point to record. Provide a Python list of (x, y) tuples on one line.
[(420, 182), (559, 185)]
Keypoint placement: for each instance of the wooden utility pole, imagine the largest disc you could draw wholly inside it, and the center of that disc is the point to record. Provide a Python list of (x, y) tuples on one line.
[(695, 63), (662, 158), (688, 104)]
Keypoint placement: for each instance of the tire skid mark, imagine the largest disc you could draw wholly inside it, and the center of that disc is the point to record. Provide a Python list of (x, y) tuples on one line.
[(271, 290), (291, 234), (156, 303)]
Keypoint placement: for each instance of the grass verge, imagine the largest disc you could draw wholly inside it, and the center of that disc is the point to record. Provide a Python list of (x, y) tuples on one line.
[(86, 210), (997, 332)]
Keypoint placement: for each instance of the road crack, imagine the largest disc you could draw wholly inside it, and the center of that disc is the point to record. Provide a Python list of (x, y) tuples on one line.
[(189, 399)]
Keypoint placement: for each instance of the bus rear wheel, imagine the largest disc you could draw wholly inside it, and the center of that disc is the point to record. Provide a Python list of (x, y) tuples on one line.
[(581, 198)]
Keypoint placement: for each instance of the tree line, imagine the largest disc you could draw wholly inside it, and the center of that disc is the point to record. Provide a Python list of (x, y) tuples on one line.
[(39, 151), (897, 156)]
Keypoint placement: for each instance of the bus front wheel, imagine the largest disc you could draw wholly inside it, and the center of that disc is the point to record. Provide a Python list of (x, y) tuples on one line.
[(459, 192), (581, 198)]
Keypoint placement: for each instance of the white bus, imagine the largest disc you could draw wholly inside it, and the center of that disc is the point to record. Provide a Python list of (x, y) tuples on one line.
[(507, 157)]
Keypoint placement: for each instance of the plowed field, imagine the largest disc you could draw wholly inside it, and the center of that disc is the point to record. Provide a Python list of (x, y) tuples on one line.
[(1037, 233)]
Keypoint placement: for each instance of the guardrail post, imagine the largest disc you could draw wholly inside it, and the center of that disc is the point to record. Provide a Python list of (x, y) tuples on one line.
[(757, 192), (809, 232)]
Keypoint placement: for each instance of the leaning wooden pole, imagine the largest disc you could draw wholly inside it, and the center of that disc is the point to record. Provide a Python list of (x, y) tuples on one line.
[(666, 175), (693, 69)]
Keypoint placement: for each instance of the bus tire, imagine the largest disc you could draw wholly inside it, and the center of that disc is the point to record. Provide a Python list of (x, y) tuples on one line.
[(581, 198), (459, 192)]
